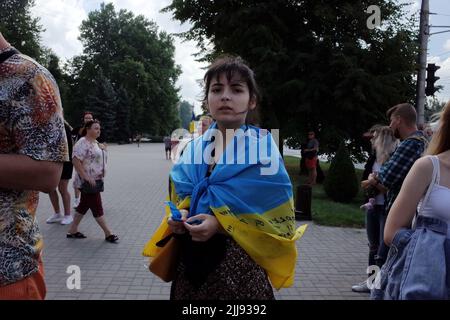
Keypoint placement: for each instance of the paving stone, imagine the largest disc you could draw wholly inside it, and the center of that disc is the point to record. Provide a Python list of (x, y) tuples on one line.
[(330, 259)]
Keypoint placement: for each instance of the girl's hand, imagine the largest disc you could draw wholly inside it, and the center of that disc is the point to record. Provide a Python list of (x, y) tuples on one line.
[(365, 184), (178, 226), (204, 231)]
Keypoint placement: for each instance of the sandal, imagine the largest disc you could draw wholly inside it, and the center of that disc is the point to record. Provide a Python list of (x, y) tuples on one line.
[(112, 238), (77, 235)]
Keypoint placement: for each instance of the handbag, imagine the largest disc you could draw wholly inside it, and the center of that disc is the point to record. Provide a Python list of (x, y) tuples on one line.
[(412, 251), (86, 187), (165, 264)]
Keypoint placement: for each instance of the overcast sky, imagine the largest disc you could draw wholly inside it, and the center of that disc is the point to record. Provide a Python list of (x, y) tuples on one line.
[(62, 18)]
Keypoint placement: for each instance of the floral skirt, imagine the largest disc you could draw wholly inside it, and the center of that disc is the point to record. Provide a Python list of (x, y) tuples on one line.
[(236, 277)]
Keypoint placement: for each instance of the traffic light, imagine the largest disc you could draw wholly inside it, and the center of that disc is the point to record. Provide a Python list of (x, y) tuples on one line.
[(430, 89)]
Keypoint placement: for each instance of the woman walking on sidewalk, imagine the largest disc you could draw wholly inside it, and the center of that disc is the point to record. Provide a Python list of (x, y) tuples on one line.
[(89, 161)]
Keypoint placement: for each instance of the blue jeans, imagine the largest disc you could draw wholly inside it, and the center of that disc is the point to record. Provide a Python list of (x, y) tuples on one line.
[(375, 221), (418, 264)]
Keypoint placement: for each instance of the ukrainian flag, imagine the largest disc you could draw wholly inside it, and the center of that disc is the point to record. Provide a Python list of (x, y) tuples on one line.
[(255, 209), (192, 123)]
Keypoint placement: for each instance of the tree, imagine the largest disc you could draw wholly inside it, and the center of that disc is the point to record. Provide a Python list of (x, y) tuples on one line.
[(432, 107), (341, 183), (135, 56), (20, 28), (186, 110), (317, 63), (103, 103), (123, 107)]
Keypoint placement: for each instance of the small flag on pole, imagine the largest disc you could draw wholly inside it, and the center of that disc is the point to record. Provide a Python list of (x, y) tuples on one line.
[(192, 124)]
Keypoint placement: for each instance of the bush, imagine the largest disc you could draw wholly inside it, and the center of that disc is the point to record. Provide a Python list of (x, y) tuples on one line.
[(341, 183)]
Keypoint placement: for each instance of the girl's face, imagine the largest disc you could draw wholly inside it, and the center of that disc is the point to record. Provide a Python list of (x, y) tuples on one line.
[(94, 131), (229, 101)]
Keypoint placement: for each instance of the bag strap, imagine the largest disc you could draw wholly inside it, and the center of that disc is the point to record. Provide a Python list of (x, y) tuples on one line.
[(7, 54), (103, 158), (435, 177)]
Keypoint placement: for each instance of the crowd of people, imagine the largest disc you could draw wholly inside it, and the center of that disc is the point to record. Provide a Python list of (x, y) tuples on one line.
[(236, 230)]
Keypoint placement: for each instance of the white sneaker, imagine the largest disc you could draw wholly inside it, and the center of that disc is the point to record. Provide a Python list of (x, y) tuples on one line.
[(67, 220), (55, 218), (76, 202)]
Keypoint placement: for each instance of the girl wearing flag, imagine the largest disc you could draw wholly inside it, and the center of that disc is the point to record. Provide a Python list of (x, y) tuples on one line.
[(237, 231)]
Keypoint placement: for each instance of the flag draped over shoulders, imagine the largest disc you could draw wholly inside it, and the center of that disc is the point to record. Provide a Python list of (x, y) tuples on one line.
[(249, 192)]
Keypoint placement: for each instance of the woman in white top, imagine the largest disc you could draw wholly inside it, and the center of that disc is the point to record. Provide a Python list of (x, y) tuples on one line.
[(417, 181), (89, 161)]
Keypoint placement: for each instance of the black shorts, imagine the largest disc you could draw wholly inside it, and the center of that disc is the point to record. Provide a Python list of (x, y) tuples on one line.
[(67, 171), (168, 149)]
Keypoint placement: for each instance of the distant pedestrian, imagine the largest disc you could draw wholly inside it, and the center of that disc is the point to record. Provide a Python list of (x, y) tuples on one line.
[(311, 155), (90, 161), (62, 187), (138, 139), (168, 147)]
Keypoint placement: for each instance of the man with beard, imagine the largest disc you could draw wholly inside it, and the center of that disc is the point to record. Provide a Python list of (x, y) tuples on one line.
[(413, 143)]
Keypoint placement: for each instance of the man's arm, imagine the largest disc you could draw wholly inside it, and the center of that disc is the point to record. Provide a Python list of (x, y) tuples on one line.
[(20, 172)]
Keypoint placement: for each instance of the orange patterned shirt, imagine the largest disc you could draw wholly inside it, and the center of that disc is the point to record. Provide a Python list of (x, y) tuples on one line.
[(31, 124)]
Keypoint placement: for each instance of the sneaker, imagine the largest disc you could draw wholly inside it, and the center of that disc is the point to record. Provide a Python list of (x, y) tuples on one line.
[(361, 287), (67, 220), (55, 218), (76, 202)]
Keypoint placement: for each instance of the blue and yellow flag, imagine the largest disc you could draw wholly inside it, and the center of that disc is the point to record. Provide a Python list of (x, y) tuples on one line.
[(192, 123), (250, 194)]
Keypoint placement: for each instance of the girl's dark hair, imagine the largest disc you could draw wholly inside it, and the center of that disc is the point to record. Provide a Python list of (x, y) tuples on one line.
[(230, 65), (89, 124)]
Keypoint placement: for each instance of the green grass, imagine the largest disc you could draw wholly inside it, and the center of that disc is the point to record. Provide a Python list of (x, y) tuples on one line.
[(324, 210)]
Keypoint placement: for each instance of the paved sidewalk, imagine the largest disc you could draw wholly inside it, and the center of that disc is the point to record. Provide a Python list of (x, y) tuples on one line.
[(330, 259)]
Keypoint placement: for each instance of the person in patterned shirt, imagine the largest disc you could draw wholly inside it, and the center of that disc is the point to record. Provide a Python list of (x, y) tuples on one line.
[(393, 172), (33, 147)]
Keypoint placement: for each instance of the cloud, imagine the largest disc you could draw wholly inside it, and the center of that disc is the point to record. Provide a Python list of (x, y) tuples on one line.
[(447, 45), (62, 20)]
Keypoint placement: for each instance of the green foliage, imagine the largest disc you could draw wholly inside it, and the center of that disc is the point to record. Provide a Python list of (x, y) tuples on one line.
[(318, 65), (324, 210), (135, 56), (186, 114), (122, 131), (341, 183), (103, 103), (432, 107), (19, 28)]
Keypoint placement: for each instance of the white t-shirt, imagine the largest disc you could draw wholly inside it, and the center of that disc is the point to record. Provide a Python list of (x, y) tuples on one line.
[(91, 156)]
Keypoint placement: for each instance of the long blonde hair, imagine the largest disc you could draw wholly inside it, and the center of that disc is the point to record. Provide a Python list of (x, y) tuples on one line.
[(440, 141), (384, 143)]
